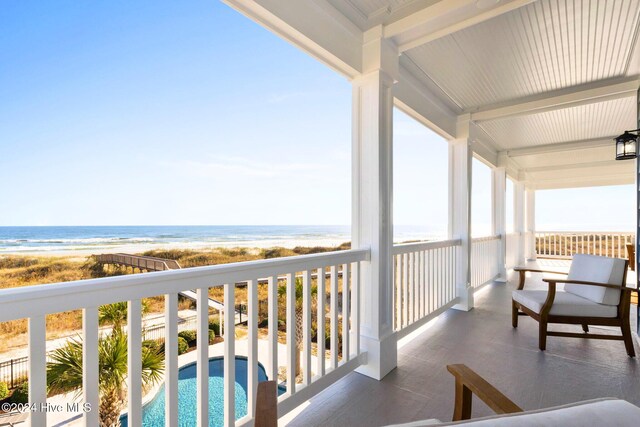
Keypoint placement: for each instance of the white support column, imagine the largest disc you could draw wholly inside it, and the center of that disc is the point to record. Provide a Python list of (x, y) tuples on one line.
[(499, 216), (519, 220), (372, 185), (460, 168), (530, 240)]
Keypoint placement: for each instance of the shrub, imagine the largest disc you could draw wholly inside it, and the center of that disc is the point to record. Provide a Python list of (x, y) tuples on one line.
[(183, 346), (189, 336), (214, 325), (4, 390), (212, 336), (20, 394), (153, 345)]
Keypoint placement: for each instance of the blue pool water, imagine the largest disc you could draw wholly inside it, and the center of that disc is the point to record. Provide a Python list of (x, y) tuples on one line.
[(153, 412)]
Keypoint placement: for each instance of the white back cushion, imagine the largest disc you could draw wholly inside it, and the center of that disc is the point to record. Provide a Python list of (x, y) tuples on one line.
[(592, 268)]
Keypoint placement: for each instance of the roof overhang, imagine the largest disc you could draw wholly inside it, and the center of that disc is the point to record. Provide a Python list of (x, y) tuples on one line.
[(544, 84)]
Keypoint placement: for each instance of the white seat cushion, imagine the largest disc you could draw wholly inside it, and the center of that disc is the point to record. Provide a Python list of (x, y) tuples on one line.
[(564, 304), (593, 413), (592, 268)]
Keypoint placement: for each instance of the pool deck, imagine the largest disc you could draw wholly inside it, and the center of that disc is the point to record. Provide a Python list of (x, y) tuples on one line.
[(570, 370)]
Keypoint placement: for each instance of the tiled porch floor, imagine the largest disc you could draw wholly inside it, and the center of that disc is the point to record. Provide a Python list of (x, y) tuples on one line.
[(570, 370)]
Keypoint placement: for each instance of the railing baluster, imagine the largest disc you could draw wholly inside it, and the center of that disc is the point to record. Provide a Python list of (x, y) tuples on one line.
[(320, 321), (229, 363), (345, 312), (38, 369), (292, 347), (252, 354), (334, 317), (90, 366), (355, 308), (416, 286), (202, 351), (134, 359), (171, 359), (405, 292), (432, 290), (452, 269), (306, 327), (411, 284), (440, 277), (272, 285), (422, 289), (398, 289)]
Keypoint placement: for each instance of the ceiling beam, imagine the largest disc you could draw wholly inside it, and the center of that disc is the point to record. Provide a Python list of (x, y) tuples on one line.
[(566, 98), (443, 18), (558, 148), (607, 179), (555, 168)]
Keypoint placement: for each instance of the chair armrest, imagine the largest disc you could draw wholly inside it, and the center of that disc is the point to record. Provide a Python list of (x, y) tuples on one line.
[(523, 276), (267, 404), (582, 282), (468, 383), (535, 270)]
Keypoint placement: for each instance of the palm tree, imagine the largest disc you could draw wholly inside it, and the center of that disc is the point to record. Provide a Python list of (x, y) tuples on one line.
[(116, 314), (64, 372), (282, 293)]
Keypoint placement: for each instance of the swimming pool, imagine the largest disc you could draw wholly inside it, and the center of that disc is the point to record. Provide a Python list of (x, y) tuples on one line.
[(153, 412)]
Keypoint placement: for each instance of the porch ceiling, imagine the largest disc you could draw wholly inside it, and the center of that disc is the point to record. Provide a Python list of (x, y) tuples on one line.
[(526, 73), (541, 47), (583, 122)]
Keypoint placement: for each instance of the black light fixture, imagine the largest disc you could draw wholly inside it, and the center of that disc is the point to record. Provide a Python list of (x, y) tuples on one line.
[(627, 145)]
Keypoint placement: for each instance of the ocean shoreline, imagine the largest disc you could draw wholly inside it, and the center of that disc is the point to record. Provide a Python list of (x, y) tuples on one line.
[(91, 240), (195, 246)]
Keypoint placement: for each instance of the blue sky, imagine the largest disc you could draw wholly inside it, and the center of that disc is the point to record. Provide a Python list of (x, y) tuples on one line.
[(164, 112)]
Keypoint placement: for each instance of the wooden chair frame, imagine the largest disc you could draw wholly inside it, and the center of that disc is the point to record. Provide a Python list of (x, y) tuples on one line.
[(544, 317), (469, 383)]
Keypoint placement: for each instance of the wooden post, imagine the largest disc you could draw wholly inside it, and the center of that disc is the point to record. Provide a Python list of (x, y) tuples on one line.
[(372, 195), (530, 246), (519, 220), (499, 215), (460, 168)]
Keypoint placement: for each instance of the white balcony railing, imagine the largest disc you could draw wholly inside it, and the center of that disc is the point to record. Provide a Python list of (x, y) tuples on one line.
[(485, 262), (424, 282), (564, 244), (35, 302)]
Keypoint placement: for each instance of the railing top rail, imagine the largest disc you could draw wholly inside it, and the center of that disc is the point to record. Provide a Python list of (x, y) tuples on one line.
[(423, 246), (626, 233), (486, 238), (17, 303)]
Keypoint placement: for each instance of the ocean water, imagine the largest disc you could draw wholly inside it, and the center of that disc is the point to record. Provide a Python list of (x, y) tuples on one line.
[(95, 239)]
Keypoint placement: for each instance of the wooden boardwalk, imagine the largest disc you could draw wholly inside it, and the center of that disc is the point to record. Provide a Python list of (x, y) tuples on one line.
[(147, 263), (138, 261)]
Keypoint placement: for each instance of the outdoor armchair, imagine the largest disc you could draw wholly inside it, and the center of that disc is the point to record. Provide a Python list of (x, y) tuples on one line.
[(595, 293)]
